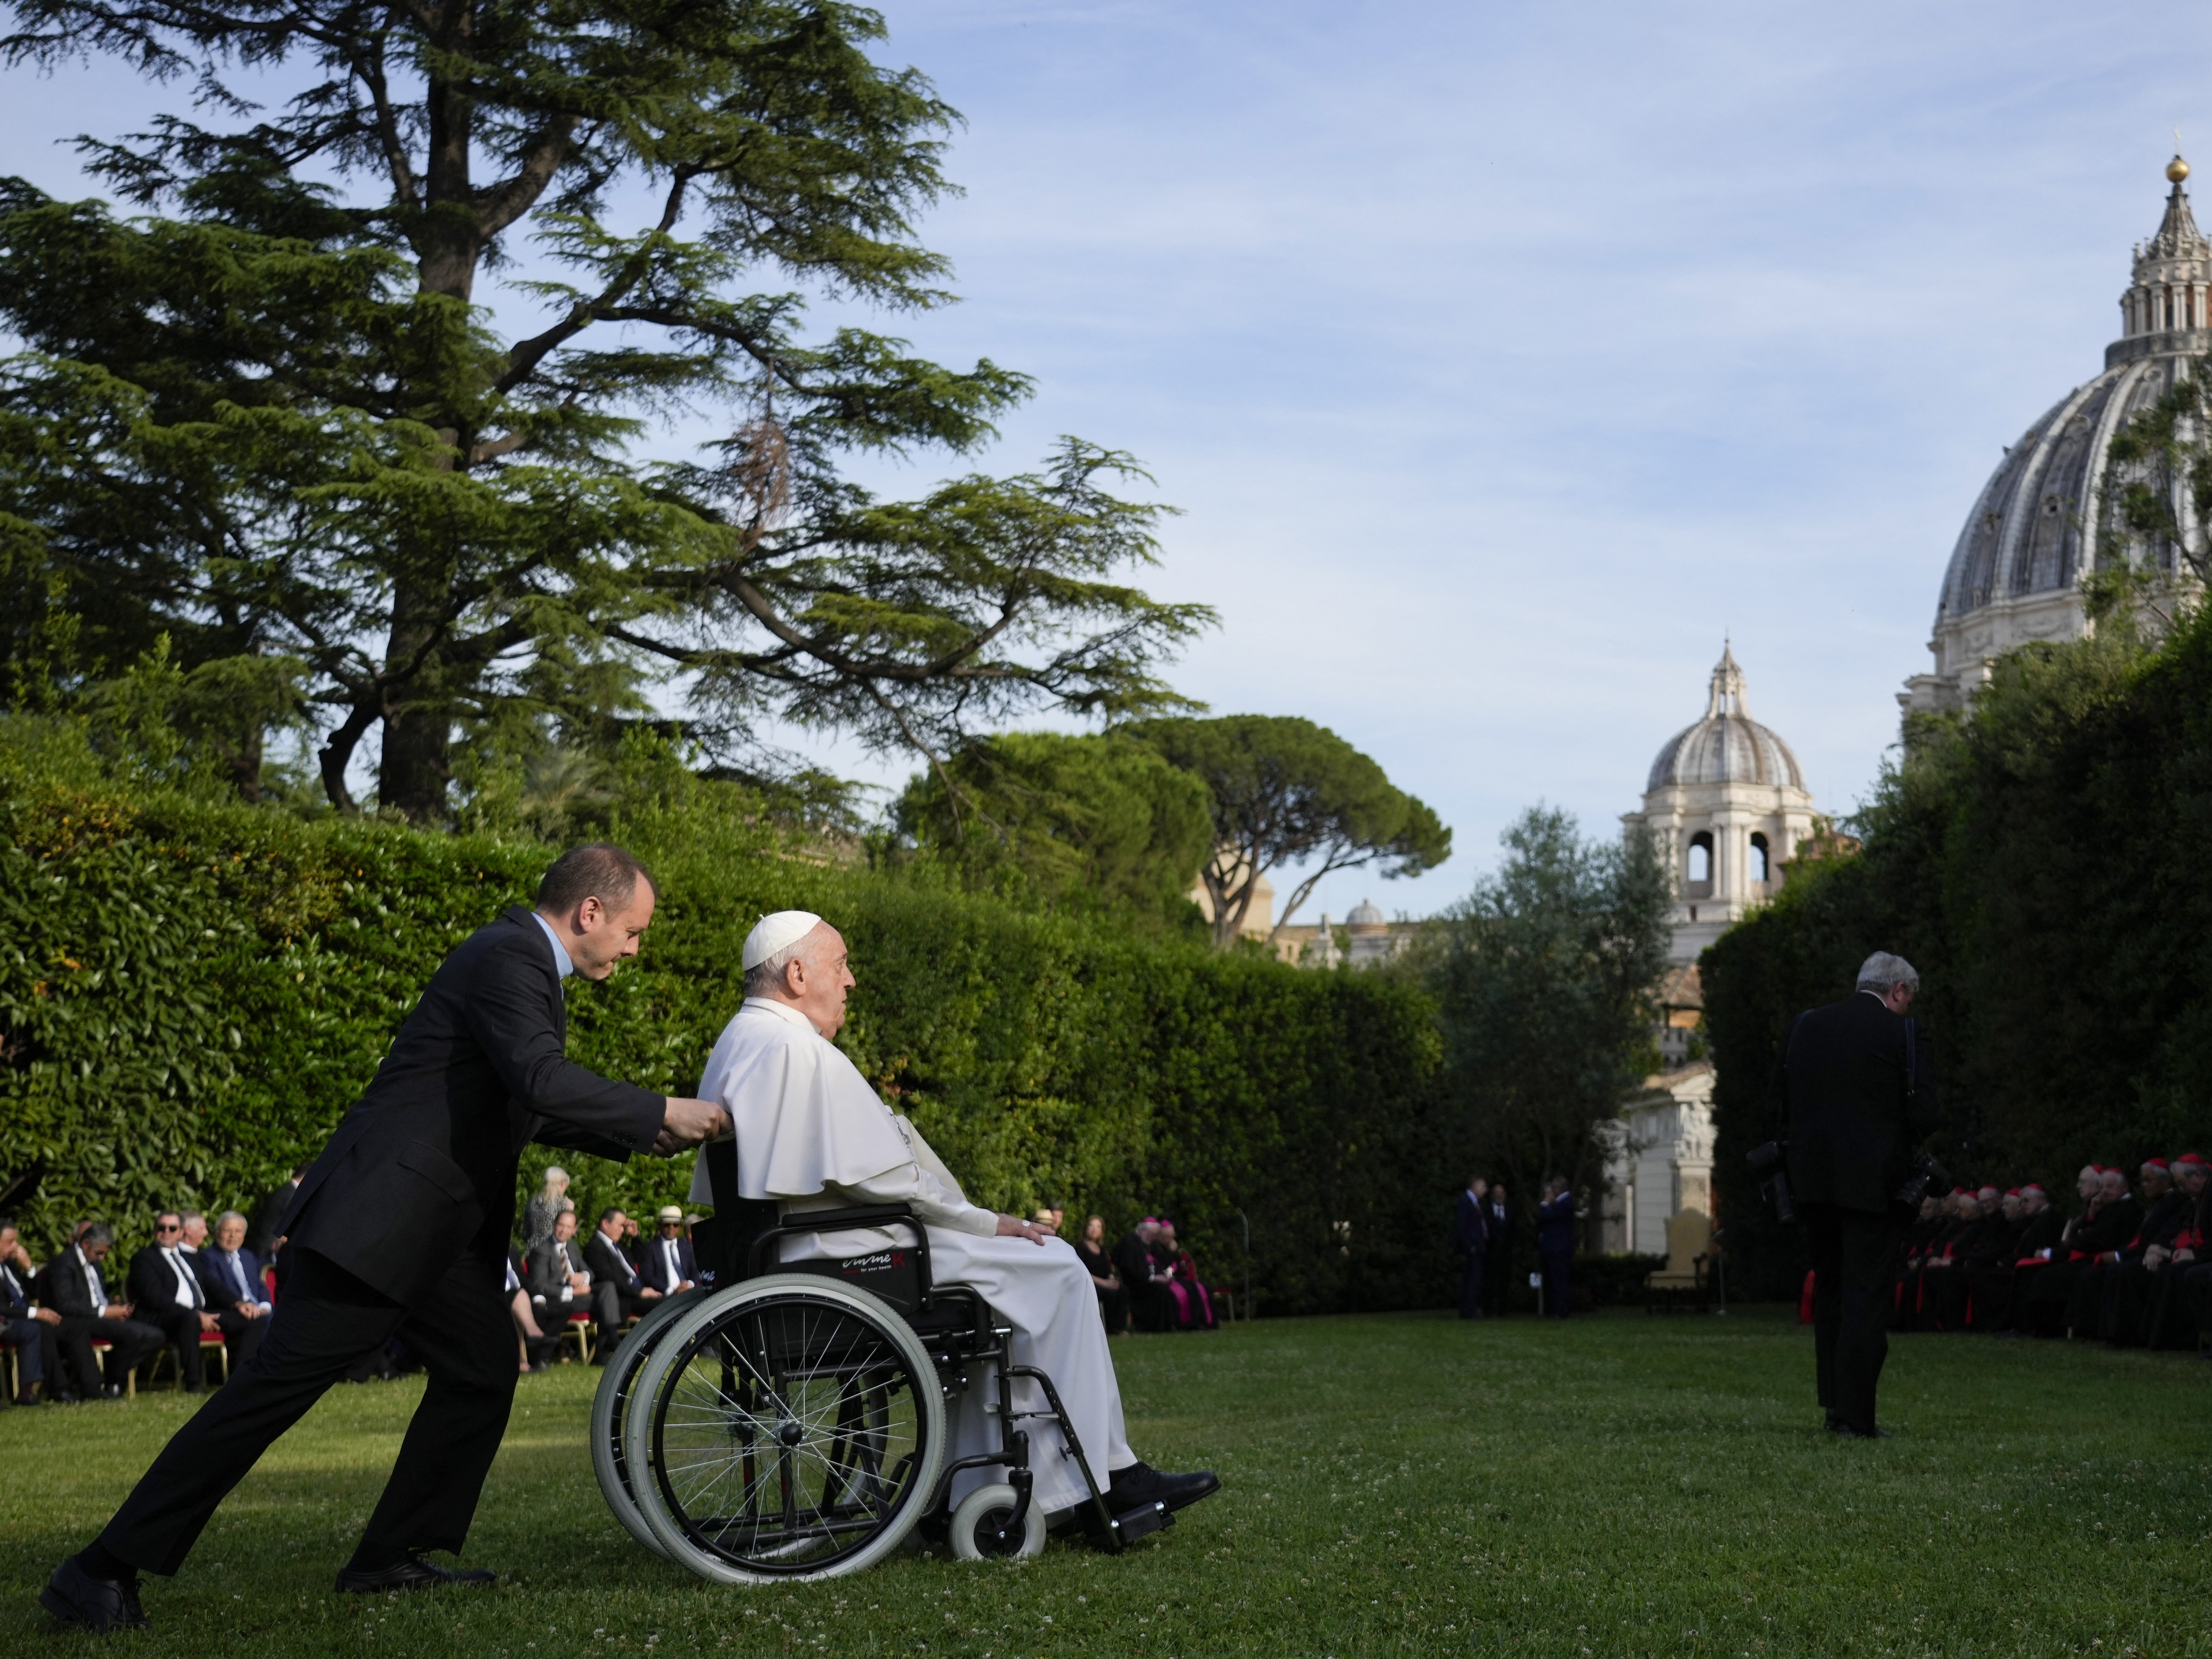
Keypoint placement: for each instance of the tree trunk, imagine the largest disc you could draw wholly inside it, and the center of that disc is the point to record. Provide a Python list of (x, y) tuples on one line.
[(417, 710)]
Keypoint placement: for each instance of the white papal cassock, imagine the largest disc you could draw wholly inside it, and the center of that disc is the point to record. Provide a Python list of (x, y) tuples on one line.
[(812, 1135)]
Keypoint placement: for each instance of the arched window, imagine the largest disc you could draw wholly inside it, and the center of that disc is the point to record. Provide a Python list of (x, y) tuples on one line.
[(1759, 863), (1700, 870)]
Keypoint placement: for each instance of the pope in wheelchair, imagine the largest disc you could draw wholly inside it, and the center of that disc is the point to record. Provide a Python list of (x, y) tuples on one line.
[(877, 1353)]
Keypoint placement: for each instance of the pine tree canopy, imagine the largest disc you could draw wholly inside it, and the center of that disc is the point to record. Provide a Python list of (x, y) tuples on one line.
[(271, 429)]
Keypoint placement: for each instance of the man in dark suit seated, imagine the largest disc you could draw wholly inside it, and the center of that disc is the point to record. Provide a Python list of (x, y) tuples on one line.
[(1860, 1096), (1469, 1235), (400, 1230), (167, 1294), (1148, 1300), (669, 1266), (29, 1330), (73, 1286), (619, 1292), (555, 1278), (230, 1277)]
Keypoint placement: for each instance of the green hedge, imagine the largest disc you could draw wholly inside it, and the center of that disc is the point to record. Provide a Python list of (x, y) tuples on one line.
[(191, 993), (2044, 863)]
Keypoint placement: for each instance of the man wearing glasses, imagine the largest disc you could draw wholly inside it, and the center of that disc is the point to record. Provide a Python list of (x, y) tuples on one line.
[(167, 1294)]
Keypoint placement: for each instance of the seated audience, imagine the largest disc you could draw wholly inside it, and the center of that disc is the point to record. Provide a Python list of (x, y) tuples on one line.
[(29, 1330), (1990, 1267), (2042, 1309), (72, 1284), (559, 1285), (1113, 1299), (2104, 1295), (230, 1279), (1193, 1303), (619, 1292), (669, 1266), (1141, 1277), (167, 1294)]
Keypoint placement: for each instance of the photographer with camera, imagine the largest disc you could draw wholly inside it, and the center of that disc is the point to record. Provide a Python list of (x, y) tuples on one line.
[(1861, 1097)]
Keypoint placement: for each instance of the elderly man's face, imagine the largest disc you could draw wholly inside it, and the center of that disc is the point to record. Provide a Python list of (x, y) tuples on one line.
[(1931, 1207), (2114, 1187), (96, 1249), (2089, 1183), (670, 1229), (230, 1235), (2155, 1182), (816, 982), (2192, 1179), (2034, 1202)]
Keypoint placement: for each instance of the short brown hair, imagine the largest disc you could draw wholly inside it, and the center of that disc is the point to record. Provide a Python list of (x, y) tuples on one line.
[(597, 869)]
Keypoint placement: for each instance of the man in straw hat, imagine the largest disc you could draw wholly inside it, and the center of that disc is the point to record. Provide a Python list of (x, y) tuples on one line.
[(669, 1266), (811, 1134)]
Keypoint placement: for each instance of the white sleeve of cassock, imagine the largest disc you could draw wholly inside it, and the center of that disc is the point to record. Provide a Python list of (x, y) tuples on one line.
[(926, 1195)]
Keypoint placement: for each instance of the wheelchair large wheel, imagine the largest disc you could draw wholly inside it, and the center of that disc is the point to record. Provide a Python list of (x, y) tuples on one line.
[(788, 1427), (608, 1413)]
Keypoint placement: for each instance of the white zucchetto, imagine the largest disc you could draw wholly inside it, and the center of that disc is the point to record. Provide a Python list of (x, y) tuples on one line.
[(774, 932)]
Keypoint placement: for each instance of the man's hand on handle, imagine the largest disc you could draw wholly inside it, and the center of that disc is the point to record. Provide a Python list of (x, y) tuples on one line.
[(687, 1122)]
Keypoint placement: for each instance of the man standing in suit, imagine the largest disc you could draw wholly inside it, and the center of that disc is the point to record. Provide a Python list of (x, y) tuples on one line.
[(668, 1265), (1861, 1096), (618, 1292), (230, 1274), (399, 1229), (1497, 1252), (167, 1295), (1555, 1243), (37, 1360), (72, 1286), (1469, 1235)]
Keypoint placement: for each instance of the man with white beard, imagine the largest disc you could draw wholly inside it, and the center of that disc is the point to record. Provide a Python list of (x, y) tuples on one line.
[(812, 1135)]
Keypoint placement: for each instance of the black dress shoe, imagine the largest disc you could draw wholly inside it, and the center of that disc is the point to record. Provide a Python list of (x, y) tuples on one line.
[(1141, 1483), (1850, 1433), (408, 1573), (29, 1397), (75, 1597), (112, 1391)]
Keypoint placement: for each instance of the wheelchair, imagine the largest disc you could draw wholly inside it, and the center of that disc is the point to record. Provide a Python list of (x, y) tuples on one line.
[(791, 1423)]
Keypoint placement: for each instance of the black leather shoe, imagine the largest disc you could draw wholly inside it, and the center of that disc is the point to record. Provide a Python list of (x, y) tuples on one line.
[(410, 1573), (1850, 1433), (75, 1597), (112, 1391), (1141, 1483)]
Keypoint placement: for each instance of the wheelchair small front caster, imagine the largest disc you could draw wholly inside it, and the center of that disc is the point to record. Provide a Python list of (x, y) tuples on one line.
[(980, 1529)]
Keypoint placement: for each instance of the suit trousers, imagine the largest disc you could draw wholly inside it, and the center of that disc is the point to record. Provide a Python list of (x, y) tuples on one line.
[(181, 1329), (131, 1345), (613, 1304), (1470, 1287), (37, 1360), (326, 1322), (1556, 1296), (1854, 1268), (1496, 1276)]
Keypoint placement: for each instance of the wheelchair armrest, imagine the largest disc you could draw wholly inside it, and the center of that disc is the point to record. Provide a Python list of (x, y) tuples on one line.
[(761, 1258)]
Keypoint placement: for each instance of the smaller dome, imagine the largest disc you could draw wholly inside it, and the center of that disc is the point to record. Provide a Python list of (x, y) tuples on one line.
[(1728, 746), (1365, 914)]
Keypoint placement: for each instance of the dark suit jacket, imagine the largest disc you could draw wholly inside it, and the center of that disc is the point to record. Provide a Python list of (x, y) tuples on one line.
[(1498, 1222), (269, 1218), (1555, 1225), (215, 1278), (546, 1274), (152, 1286), (61, 1286), (423, 1167), (1469, 1235), (687, 1265), (607, 1264), (16, 1291), (1852, 1126)]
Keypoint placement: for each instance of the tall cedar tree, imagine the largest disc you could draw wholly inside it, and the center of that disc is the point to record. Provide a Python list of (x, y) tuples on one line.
[(1544, 978), (278, 427), (1286, 790)]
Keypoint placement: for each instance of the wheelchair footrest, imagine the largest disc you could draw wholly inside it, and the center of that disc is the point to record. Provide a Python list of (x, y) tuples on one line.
[(1143, 1522)]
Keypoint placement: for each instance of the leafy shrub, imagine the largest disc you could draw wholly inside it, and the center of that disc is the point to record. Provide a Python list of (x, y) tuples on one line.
[(193, 991)]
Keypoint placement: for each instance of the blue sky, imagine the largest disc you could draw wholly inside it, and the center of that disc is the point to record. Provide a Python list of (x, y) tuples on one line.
[(1502, 357)]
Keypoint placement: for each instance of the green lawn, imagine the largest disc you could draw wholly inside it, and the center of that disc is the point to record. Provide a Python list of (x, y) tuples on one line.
[(1393, 1485)]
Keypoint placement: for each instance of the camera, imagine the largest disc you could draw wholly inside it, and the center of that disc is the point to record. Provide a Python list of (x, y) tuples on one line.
[(1926, 1173), (1771, 1163)]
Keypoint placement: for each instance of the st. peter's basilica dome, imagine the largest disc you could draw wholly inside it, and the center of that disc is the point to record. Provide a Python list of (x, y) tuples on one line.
[(2017, 572)]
